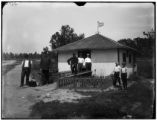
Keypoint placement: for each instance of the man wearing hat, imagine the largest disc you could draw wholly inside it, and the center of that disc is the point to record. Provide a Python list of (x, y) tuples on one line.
[(45, 66), (88, 63), (124, 75), (73, 61)]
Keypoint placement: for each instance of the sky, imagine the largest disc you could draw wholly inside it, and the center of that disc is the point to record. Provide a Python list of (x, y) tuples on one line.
[(28, 26)]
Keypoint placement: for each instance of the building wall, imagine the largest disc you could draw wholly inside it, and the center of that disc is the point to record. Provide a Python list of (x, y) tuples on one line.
[(62, 61), (128, 65), (103, 61)]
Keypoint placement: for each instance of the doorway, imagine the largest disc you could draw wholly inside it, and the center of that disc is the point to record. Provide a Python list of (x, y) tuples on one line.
[(84, 53)]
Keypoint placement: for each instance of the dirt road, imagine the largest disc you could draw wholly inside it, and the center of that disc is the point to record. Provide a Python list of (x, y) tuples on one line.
[(16, 101)]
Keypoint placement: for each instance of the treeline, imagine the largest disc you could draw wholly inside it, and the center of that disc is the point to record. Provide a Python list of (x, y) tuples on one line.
[(18, 56), (144, 46)]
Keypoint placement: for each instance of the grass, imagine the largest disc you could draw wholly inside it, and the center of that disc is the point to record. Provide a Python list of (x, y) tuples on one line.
[(146, 68), (137, 102)]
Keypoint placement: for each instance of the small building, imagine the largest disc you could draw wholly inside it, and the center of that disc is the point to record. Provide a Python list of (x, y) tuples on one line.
[(104, 53)]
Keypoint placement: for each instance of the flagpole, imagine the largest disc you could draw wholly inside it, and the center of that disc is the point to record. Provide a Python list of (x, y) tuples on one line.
[(97, 28)]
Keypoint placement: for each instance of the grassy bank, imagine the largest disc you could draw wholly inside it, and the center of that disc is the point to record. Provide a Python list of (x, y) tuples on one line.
[(137, 102), (7, 68)]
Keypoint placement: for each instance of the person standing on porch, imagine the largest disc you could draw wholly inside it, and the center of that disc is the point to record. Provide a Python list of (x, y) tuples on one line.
[(88, 63), (117, 71), (73, 61), (26, 70), (124, 75), (80, 62)]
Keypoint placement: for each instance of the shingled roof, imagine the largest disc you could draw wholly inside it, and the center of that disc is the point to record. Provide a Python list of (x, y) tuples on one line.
[(94, 42)]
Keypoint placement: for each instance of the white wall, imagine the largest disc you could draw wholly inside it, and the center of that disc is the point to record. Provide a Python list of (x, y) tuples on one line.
[(103, 61), (128, 65), (102, 69), (62, 61), (129, 71)]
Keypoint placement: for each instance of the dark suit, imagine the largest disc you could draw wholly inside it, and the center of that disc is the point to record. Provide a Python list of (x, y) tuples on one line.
[(73, 61), (25, 72), (45, 66)]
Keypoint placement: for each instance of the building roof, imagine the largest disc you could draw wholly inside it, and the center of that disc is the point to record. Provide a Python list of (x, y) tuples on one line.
[(94, 42)]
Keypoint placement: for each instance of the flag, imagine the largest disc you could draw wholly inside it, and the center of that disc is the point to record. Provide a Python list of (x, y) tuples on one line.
[(100, 24)]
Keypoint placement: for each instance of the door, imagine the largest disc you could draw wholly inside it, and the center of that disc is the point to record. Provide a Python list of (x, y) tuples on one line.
[(84, 53)]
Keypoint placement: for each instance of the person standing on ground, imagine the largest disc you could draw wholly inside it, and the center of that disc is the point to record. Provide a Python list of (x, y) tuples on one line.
[(117, 71), (80, 63), (73, 61), (45, 66), (124, 75), (26, 70), (88, 63)]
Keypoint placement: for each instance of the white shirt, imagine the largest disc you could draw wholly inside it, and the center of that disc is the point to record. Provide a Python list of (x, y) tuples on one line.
[(80, 60), (26, 63), (117, 69), (124, 70), (88, 60)]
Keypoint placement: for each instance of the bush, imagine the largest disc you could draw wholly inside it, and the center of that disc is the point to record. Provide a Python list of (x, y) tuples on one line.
[(145, 68), (134, 77)]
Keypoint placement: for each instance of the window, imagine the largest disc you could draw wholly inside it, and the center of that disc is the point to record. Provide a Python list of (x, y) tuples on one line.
[(134, 58), (124, 57), (84, 53), (129, 58)]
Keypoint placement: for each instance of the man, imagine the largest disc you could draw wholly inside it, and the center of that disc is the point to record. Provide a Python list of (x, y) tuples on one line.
[(73, 61), (45, 66), (88, 63), (124, 75), (117, 71), (80, 63), (26, 69)]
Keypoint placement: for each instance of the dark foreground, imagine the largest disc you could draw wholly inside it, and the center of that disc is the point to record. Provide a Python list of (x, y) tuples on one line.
[(137, 102)]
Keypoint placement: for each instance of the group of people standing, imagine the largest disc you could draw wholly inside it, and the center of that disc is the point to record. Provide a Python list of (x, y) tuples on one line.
[(44, 68), (120, 74), (78, 64)]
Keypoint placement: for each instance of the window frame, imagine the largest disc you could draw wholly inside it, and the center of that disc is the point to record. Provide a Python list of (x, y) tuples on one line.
[(124, 57)]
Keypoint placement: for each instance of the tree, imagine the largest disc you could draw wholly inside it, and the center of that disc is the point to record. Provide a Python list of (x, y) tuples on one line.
[(143, 45), (128, 42), (65, 36)]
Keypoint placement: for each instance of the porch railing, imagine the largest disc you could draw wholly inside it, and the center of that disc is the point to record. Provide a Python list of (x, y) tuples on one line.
[(84, 82)]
